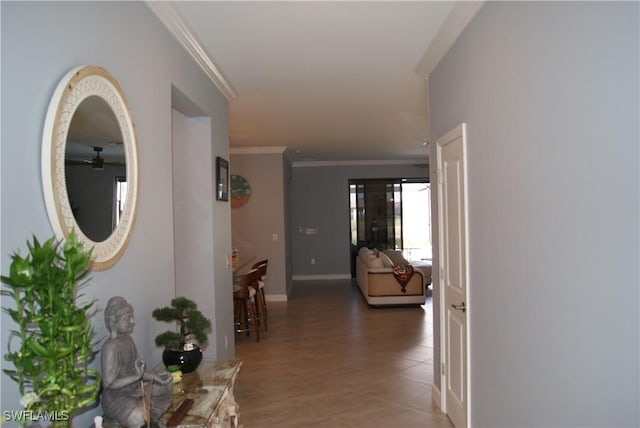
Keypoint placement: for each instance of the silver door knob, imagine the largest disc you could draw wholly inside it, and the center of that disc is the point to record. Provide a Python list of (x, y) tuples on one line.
[(460, 307)]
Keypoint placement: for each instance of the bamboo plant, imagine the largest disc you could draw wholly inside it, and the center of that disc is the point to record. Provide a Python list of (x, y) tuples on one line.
[(51, 346)]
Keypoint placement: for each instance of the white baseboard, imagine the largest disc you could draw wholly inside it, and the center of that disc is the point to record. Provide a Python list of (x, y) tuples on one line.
[(320, 277), (275, 297), (435, 396)]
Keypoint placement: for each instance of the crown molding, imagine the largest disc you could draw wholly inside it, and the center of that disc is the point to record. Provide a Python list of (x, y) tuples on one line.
[(459, 17), (169, 15), (307, 164), (267, 150)]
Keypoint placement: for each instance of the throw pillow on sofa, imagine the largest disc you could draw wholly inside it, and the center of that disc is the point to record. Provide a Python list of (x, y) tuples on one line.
[(364, 251), (396, 257), (373, 262), (386, 261)]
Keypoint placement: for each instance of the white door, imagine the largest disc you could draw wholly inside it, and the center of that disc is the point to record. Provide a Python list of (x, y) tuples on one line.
[(452, 217)]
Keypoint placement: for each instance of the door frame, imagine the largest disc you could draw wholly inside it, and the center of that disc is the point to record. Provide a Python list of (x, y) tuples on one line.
[(457, 132)]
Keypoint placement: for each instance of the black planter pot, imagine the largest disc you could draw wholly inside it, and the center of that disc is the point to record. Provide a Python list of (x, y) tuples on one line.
[(188, 361)]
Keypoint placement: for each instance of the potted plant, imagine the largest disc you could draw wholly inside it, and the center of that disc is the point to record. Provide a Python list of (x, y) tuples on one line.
[(182, 349), (52, 344)]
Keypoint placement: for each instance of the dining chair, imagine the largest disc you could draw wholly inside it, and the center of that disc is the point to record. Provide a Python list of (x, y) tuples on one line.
[(261, 267), (245, 309)]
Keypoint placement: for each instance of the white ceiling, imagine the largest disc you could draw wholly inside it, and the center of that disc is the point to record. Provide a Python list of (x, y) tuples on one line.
[(331, 81)]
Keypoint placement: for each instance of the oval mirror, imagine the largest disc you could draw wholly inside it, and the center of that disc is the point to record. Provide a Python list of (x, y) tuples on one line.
[(89, 163)]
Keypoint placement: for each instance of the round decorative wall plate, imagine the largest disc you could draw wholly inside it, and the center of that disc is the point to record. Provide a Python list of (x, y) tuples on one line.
[(240, 191)]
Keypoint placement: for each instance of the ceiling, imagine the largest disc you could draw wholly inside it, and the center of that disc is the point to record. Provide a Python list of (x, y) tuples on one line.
[(330, 81)]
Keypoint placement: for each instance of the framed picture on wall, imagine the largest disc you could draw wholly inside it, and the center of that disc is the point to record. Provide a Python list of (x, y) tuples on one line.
[(222, 179)]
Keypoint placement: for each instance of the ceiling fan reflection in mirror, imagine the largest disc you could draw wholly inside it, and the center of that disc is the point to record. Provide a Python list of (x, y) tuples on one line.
[(96, 163)]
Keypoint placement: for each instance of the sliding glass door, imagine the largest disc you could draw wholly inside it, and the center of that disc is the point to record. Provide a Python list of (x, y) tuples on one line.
[(378, 220), (416, 221)]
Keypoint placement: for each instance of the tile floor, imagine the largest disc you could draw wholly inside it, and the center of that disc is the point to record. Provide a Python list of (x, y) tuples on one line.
[(329, 360)]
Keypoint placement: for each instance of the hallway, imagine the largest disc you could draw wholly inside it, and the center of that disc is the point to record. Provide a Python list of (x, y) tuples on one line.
[(328, 360)]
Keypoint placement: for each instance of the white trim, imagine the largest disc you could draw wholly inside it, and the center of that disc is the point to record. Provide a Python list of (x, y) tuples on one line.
[(457, 132), (468, 264), (268, 150), (461, 14), (275, 297), (169, 15), (304, 164), (443, 308), (435, 395), (320, 277)]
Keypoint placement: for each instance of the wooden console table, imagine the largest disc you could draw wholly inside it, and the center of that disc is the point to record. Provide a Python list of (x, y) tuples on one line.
[(211, 389)]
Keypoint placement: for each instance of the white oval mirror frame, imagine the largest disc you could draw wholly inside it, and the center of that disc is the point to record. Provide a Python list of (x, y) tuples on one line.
[(77, 85)]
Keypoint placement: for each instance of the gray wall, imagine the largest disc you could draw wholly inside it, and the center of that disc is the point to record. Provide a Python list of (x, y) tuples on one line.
[(258, 227), (549, 91), (287, 174), (193, 187), (40, 43), (320, 200)]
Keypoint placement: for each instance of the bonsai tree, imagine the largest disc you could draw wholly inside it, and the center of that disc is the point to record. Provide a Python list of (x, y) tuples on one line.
[(193, 325), (51, 346)]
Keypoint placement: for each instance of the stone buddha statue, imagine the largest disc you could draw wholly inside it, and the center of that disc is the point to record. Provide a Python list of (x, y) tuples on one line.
[(132, 396)]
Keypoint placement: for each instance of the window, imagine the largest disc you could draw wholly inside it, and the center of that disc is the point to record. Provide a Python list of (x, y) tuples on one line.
[(120, 195)]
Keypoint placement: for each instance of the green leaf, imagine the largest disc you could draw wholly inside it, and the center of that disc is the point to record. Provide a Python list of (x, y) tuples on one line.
[(54, 338), (38, 348), (169, 339)]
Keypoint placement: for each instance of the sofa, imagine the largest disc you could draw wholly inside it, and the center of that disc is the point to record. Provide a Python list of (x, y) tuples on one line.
[(379, 275)]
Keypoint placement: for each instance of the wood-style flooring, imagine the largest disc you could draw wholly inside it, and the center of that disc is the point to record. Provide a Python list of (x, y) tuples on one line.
[(329, 360)]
